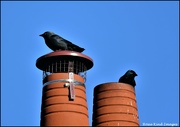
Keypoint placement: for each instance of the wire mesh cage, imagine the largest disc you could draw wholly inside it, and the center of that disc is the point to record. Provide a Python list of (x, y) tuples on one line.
[(65, 66)]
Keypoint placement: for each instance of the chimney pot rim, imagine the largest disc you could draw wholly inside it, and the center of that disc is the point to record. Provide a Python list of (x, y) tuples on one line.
[(71, 54)]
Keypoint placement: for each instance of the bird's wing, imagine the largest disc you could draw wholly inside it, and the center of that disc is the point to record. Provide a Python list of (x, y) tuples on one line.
[(56, 37), (68, 42), (58, 41), (62, 39), (70, 45)]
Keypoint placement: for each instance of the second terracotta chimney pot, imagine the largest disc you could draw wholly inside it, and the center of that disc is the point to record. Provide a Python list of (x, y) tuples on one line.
[(115, 105)]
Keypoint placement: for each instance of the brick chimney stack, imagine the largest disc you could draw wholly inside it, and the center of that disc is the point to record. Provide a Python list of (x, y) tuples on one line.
[(115, 105), (64, 94)]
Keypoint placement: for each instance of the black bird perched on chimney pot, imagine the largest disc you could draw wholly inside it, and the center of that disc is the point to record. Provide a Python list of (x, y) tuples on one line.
[(128, 78), (56, 42)]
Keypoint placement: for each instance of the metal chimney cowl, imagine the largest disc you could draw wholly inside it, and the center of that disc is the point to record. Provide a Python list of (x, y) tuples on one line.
[(64, 94)]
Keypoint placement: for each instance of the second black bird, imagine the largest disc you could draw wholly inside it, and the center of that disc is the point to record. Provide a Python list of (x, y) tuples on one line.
[(128, 78), (56, 42)]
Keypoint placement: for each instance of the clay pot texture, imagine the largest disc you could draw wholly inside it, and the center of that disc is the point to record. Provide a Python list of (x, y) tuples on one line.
[(115, 105), (58, 109)]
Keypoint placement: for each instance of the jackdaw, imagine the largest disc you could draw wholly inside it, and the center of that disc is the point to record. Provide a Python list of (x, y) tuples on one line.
[(56, 42), (128, 78)]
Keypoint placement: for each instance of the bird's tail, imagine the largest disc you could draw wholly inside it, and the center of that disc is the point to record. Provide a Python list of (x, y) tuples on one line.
[(74, 47), (81, 49)]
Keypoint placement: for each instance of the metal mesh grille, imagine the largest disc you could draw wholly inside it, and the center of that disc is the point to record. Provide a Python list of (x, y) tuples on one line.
[(63, 66)]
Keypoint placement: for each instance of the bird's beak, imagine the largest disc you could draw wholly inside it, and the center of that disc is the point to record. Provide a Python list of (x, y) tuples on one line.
[(41, 35), (136, 75)]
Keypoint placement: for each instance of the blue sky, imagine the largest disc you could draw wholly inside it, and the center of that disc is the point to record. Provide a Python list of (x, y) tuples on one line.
[(143, 36)]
